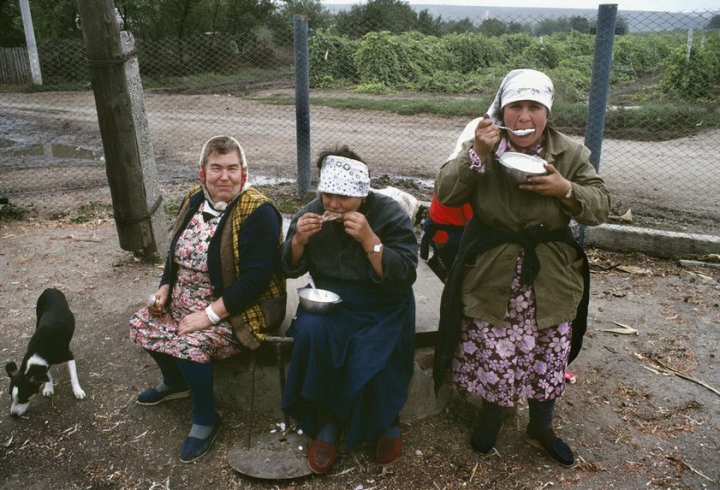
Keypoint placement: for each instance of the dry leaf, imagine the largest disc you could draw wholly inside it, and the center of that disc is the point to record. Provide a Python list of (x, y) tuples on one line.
[(623, 330), (631, 269), (627, 217)]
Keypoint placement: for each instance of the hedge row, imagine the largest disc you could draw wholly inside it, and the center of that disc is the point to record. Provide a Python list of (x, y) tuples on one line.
[(471, 62)]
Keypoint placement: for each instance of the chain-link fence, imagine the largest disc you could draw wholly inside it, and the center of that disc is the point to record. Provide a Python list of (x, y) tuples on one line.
[(398, 91)]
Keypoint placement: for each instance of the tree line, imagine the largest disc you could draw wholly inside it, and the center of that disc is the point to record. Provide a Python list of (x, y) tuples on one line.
[(164, 19)]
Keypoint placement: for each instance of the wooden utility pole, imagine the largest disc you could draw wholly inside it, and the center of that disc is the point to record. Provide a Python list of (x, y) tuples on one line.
[(129, 162)]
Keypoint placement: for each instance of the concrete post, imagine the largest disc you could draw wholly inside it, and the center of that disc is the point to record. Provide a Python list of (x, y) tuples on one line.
[(30, 41), (144, 143)]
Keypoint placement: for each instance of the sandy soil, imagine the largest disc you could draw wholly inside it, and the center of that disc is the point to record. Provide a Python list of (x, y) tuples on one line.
[(637, 417)]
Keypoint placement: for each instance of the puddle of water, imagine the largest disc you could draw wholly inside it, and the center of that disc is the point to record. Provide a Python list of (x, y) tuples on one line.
[(67, 151), (265, 180), (35, 150), (56, 150)]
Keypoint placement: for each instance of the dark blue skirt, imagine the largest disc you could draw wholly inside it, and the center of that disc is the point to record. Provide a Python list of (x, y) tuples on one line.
[(354, 362)]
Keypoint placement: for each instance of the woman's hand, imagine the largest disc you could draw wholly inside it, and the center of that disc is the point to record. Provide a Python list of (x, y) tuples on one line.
[(307, 225), (194, 322), (551, 185), (157, 307), (356, 226), (487, 135)]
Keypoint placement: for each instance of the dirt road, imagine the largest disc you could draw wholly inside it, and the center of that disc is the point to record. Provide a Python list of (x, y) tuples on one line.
[(670, 185)]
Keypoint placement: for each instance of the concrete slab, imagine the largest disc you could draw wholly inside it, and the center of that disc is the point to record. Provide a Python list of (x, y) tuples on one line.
[(659, 243)]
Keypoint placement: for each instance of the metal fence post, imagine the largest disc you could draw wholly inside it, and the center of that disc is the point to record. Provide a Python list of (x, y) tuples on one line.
[(600, 81), (302, 102)]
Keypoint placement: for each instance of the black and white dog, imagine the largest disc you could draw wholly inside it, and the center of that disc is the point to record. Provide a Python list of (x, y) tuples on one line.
[(50, 344)]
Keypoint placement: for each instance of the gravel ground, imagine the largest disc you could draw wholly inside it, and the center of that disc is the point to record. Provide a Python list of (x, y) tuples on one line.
[(644, 413)]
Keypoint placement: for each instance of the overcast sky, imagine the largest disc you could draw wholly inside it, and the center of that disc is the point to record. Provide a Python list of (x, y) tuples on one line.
[(653, 5)]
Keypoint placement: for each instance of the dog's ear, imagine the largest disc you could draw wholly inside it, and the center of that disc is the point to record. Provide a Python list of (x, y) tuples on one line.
[(11, 368)]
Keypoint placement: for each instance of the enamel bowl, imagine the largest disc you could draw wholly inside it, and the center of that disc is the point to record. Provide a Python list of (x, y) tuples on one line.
[(519, 166), (317, 304)]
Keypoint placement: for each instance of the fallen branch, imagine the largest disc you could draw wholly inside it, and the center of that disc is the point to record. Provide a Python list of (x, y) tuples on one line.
[(623, 330), (473, 472), (668, 369), (692, 469), (698, 263)]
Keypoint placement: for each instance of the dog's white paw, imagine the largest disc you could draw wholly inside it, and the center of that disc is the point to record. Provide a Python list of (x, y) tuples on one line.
[(48, 390), (79, 394)]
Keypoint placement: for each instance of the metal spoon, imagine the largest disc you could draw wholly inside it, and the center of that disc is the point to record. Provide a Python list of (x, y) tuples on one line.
[(312, 284), (519, 132)]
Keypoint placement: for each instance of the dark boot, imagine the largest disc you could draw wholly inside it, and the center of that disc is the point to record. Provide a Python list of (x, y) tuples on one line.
[(485, 435)]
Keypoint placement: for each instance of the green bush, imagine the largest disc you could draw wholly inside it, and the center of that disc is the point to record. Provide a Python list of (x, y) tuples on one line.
[(572, 44), (541, 56), (512, 44), (571, 80), (689, 78), (636, 57), (396, 61), (468, 53), (331, 60)]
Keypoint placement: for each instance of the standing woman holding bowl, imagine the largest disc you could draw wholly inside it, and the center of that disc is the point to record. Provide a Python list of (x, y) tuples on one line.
[(514, 308), (350, 367)]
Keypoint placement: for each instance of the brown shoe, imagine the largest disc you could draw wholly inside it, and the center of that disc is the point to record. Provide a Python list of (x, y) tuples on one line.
[(388, 450), (321, 456)]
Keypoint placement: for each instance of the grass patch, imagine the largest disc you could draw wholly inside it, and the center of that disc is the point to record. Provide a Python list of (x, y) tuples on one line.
[(207, 81), (29, 88), (9, 211), (448, 106), (87, 212), (652, 122)]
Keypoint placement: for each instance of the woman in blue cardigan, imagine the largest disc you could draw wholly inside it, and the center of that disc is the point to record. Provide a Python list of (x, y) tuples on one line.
[(221, 288)]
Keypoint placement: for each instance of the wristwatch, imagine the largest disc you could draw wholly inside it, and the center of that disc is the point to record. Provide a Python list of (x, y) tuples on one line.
[(569, 193), (376, 249)]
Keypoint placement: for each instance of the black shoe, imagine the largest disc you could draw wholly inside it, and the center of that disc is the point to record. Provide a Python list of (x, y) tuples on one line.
[(151, 396), (193, 448), (484, 438), (552, 445)]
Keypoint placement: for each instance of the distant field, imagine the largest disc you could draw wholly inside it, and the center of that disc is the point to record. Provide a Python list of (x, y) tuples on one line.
[(637, 21)]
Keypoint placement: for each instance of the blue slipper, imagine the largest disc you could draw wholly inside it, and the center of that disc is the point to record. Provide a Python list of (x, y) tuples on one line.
[(193, 448), (151, 396)]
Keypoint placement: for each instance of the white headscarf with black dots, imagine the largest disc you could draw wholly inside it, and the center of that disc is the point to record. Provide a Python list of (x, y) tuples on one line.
[(344, 176)]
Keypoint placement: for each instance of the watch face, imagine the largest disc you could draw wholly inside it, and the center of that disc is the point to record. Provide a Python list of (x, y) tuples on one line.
[(377, 248)]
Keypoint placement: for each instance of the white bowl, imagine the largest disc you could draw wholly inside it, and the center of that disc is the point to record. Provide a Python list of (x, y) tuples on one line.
[(318, 304), (519, 166)]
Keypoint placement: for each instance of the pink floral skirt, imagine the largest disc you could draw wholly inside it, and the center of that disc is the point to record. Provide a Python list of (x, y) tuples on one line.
[(503, 363), (159, 333)]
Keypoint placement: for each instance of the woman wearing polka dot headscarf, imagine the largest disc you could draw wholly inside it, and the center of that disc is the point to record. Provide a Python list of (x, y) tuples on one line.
[(350, 367)]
